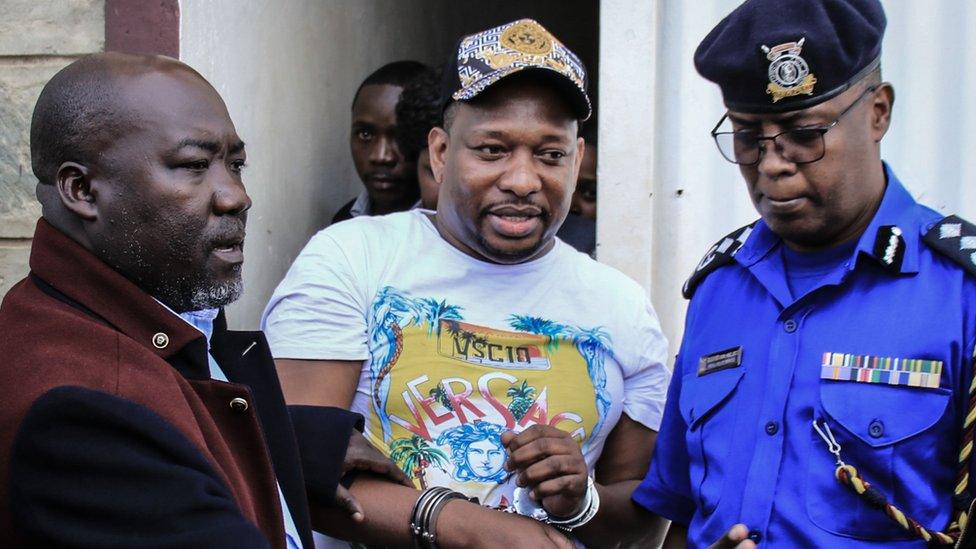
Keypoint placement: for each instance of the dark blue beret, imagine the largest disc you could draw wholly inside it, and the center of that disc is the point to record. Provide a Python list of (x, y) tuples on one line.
[(784, 55)]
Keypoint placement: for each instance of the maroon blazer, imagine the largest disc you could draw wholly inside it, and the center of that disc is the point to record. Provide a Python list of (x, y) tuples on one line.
[(113, 433)]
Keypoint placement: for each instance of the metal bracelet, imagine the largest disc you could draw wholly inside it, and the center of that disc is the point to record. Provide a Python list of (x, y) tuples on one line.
[(425, 512), (591, 505), (435, 512), (419, 513), (428, 532)]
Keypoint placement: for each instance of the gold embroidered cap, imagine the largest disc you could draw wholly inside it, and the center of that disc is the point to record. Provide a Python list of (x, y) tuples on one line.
[(484, 58)]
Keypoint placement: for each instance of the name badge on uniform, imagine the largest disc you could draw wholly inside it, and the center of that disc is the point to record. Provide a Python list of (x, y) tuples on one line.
[(722, 360), (907, 372)]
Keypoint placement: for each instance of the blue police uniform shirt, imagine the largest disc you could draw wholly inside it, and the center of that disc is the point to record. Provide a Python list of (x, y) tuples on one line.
[(737, 442), (804, 270), (204, 321)]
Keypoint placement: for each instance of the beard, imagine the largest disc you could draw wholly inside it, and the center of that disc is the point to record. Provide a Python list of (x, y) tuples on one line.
[(509, 257), (216, 295), (198, 293), (168, 256)]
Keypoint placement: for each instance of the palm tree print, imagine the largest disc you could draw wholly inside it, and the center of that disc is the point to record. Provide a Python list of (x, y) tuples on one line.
[(522, 398), (542, 326), (593, 345), (435, 312), (392, 311), (414, 455), (453, 327), (441, 395), (462, 338)]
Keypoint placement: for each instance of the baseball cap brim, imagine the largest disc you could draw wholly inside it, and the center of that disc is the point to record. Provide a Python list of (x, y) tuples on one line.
[(576, 99)]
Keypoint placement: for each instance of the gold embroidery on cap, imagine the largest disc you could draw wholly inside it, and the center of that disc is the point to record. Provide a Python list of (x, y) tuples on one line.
[(467, 78), (488, 56), (498, 60), (788, 73), (559, 66), (527, 37)]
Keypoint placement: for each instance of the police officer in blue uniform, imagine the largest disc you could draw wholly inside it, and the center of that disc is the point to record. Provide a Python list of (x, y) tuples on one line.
[(820, 391)]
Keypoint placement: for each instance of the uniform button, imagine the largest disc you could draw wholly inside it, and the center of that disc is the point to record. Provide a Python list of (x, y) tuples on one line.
[(755, 536), (789, 326), (772, 428), (238, 405), (160, 340), (876, 429)]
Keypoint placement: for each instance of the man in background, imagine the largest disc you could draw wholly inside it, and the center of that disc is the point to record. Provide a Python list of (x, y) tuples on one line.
[(584, 198), (419, 110), (389, 178)]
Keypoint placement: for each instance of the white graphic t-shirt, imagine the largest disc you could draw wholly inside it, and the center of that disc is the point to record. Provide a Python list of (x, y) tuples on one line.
[(456, 351)]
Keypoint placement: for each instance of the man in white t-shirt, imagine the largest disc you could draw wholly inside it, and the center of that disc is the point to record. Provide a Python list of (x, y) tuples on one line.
[(487, 356)]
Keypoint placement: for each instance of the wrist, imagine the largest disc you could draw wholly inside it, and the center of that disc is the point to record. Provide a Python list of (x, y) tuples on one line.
[(453, 525), (587, 510), (580, 506), (426, 512)]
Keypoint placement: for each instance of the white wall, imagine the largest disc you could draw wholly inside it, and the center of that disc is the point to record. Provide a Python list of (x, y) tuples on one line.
[(696, 196), (628, 116), (287, 71)]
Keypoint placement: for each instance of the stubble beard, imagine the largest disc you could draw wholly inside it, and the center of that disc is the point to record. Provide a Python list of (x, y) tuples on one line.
[(197, 288), (216, 295), (511, 257)]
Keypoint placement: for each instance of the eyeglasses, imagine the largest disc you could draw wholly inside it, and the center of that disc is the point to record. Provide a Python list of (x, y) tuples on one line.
[(801, 145)]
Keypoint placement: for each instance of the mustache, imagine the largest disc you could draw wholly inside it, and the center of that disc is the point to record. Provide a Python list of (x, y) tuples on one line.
[(230, 231), (514, 207)]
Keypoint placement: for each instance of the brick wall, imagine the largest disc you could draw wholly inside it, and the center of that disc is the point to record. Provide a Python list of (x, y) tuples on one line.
[(37, 39)]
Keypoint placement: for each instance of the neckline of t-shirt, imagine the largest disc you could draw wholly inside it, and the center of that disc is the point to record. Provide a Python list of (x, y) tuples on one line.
[(547, 258), (820, 262)]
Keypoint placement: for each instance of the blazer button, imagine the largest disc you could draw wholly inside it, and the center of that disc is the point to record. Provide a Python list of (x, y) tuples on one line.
[(238, 405), (160, 340)]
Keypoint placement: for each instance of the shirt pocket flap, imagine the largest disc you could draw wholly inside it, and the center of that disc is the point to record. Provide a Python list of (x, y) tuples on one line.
[(880, 415), (702, 394)]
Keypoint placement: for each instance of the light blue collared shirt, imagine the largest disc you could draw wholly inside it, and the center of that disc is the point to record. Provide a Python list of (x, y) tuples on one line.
[(203, 321)]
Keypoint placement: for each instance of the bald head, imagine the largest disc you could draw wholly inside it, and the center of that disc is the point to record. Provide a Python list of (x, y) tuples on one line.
[(140, 163), (83, 108)]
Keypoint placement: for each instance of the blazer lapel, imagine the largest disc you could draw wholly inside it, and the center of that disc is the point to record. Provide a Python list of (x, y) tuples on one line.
[(246, 358)]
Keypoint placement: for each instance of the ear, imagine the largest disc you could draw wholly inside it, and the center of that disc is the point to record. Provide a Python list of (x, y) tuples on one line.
[(437, 141), (580, 151), (881, 105), (73, 183)]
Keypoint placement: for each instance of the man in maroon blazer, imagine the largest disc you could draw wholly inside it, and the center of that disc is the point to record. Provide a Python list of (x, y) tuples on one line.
[(129, 415)]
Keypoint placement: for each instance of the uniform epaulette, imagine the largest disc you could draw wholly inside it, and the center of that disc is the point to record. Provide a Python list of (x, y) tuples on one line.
[(955, 238), (721, 253)]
